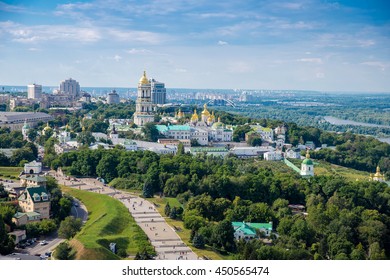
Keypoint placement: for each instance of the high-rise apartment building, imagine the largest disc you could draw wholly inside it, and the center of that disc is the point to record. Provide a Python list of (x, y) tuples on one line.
[(159, 93), (34, 91), (70, 87)]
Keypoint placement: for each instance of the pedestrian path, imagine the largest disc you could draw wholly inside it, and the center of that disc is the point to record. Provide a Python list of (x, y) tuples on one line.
[(164, 239)]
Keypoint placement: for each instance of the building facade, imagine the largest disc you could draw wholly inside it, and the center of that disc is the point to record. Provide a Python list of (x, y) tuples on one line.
[(144, 111), (33, 167), (70, 87), (34, 91), (159, 93), (16, 120), (307, 166), (113, 97)]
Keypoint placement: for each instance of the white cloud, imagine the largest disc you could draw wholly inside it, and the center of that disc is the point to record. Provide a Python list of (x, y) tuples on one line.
[(222, 43), (117, 57), (33, 34), (137, 36), (181, 70), (379, 64), (316, 60), (139, 51)]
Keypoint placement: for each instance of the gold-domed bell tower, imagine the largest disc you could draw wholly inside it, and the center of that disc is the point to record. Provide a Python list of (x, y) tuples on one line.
[(144, 112)]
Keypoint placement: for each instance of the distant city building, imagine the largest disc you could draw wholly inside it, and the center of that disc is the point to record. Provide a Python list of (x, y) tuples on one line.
[(16, 120), (113, 97), (144, 112), (86, 97), (159, 93), (57, 100), (307, 166), (34, 91), (21, 101), (70, 87)]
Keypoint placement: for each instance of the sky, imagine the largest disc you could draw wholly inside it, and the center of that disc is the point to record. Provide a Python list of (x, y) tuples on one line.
[(239, 44)]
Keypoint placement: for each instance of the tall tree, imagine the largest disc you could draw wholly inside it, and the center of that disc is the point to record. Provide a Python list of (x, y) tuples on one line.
[(7, 244)]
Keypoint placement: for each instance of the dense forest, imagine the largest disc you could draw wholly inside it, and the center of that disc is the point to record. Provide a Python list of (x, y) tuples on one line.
[(373, 109), (345, 220)]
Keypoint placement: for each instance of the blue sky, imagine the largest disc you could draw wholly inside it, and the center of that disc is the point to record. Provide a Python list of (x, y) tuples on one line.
[(259, 44)]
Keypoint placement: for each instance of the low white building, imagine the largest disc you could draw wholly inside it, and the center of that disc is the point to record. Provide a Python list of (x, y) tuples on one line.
[(267, 134), (200, 135), (33, 167), (293, 153), (249, 152), (215, 151), (273, 156), (219, 133), (129, 145)]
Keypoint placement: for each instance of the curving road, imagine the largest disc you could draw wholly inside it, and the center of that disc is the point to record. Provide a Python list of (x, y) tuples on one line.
[(167, 243)]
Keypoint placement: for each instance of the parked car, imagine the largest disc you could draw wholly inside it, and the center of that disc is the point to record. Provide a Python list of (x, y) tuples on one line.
[(43, 242)]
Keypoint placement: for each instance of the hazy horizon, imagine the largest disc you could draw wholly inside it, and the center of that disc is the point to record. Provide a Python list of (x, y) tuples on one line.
[(309, 45)]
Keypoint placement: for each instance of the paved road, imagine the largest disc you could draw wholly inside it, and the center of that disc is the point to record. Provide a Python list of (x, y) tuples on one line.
[(165, 240), (53, 240)]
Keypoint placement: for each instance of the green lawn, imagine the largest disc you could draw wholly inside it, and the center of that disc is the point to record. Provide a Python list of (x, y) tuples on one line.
[(326, 168), (185, 233), (108, 221), (7, 172)]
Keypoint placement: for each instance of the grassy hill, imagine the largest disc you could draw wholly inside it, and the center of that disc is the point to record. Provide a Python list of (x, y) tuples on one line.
[(10, 172), (108, 221), (326, 168)]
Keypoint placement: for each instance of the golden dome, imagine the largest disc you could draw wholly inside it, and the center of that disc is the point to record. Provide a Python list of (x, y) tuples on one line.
[(195, 116), (205, 111), (143, 80), (212, 116), (47, 127)]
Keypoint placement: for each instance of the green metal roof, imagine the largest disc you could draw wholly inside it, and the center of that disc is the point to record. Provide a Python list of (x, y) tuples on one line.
[(37, 192), (250, 228), (18, 215), (307, 161), (34, 178), (32, 214), (164, 128), (210, 150)]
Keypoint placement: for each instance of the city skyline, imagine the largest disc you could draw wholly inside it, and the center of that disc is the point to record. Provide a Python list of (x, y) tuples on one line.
[(297, 45)]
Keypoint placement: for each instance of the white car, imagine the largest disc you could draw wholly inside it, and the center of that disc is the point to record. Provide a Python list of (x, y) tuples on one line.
[(43, 242)]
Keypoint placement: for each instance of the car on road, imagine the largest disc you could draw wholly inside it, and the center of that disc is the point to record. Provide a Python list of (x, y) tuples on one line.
[(75, 204), (43, 242), (48, 254)]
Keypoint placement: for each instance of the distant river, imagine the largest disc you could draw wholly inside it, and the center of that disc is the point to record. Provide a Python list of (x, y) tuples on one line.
[(337, 121)]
